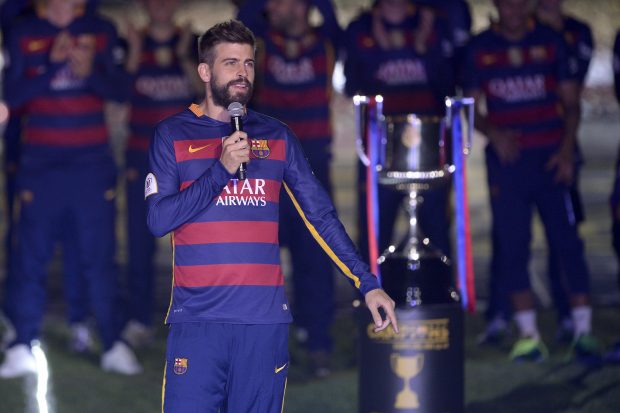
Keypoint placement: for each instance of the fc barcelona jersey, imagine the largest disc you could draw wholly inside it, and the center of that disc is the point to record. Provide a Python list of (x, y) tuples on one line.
[(225, 231)]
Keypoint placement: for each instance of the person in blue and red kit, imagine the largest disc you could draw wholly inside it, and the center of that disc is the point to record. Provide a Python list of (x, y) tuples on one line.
[(522, 70), (61, 71), (614, 354), (227, 344), (296, 62), (80, 339), (162, 64), (398, 50), (578, 38)]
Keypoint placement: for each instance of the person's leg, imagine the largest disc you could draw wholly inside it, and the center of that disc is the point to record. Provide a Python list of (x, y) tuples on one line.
[(141, 250), (557, 280), (259, 369), (94, 211), (313, 279), (74, 283), (390, 202), (555, 206), (75, 288), (11, 152), (32, 252), (198, 358), (511, 203)]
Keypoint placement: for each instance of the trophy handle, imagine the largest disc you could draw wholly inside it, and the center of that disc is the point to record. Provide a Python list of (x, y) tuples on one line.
[(376, 104), (453, 108), (359, 102)]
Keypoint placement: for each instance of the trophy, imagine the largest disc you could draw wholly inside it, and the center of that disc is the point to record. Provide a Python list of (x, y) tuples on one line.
[(407, 367), (412, 154)]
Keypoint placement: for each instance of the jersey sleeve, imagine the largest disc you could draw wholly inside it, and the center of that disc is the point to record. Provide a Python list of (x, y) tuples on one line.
[(352, 61), (167, 206), (469, 78), (585, 47), (318, 213), (567, 66)]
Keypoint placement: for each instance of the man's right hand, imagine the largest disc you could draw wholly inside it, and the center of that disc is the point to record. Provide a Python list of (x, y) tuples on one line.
[(506, 145), (235, 150)]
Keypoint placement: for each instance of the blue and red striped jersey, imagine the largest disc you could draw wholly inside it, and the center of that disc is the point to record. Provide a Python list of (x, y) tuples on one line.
[(295, 85), (225, 231), (62, 110), (519, 80), (160, 88), (410, 82), (616, 65), (295, 79)]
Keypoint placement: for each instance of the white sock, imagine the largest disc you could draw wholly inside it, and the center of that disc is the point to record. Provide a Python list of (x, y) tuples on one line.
[(582, 319), (526, 322)]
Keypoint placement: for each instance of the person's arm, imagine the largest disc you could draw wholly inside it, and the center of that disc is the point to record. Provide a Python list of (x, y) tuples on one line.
[(568, 92), (19, 88), (330, 27), (107, 79), (563, 160), (318, 213), (353, 65), (585, 47), (167, 206)]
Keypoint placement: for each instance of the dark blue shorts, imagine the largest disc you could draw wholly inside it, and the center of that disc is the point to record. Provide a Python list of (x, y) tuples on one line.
[(225, 368)]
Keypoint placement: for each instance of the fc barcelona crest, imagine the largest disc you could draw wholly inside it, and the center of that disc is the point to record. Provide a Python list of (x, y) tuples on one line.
[(180, 365), (260, 148), (515, 56)]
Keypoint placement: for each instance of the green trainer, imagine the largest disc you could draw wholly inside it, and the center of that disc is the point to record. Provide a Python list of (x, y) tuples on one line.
[(586, 349), (529, 349)]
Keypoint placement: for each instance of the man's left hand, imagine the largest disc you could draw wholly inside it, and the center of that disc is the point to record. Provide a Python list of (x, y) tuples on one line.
[(376, 299), (564, 165)]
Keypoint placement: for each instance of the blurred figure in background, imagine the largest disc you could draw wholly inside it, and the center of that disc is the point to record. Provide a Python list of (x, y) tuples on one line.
[(295, 65), (578, 38), (74, 285), (614, 354), (522, 70), (61, 72), (454, 17), (11, 12), (398, 50), (162, 64)]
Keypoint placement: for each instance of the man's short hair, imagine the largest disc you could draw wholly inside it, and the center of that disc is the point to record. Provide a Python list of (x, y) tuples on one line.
[(231, 31)]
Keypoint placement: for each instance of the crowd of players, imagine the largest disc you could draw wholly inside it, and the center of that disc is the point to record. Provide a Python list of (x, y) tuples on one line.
[(66, 63)]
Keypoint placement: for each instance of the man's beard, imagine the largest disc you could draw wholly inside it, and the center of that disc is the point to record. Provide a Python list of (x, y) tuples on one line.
[(222, 96)]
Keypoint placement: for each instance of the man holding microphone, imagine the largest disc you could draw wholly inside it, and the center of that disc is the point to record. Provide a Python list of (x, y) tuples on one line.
[(227, 346)]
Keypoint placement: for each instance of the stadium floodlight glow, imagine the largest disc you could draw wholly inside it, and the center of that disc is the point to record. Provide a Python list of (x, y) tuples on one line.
[(42, 377)]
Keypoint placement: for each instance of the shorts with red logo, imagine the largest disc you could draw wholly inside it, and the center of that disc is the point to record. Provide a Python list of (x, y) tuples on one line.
[(227, 368)]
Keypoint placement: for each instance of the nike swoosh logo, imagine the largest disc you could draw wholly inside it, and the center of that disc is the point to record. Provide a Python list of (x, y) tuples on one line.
[(279, 369), (194, 150)]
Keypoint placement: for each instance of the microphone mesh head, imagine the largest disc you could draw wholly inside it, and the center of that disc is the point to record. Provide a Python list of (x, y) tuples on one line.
[(235, 109)]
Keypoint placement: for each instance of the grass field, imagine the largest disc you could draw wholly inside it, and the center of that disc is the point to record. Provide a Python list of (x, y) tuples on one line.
[(493, 384)]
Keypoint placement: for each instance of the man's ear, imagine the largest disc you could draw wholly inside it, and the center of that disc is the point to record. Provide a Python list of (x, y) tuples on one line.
[(204, 71)]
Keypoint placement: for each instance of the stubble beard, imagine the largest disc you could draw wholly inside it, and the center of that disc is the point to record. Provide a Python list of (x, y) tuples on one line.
[(221, 93)]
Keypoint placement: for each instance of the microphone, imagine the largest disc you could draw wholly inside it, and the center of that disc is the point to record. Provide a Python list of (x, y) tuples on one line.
[(235, 110)]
